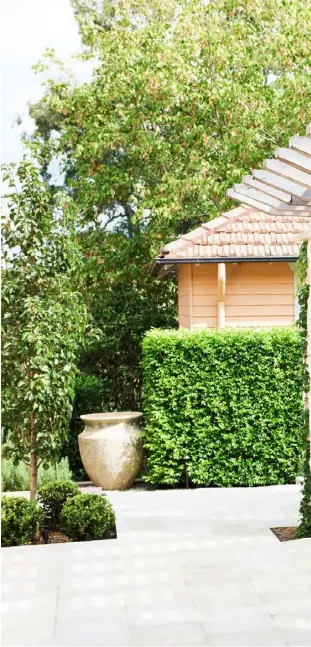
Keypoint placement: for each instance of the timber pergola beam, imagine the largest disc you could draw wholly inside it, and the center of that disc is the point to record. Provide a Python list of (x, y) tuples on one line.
[(283, 186)]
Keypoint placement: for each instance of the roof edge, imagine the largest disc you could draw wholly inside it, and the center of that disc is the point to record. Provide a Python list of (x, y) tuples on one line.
[(160, 260)]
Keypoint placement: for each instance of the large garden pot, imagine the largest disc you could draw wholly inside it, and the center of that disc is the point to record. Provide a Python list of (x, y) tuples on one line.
[(110, 448)]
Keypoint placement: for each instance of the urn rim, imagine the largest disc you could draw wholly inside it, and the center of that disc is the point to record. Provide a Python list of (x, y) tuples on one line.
[(112, 416)]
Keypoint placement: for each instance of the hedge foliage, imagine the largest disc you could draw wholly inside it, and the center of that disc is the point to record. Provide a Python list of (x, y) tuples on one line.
[(229, 402)]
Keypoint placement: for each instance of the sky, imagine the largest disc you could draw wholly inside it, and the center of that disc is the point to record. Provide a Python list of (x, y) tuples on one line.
[(27, 27)]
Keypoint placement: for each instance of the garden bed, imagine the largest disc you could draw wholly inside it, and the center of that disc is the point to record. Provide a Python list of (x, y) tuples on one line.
[(57, 537), (60, 514), (287, 533), (52, 538)]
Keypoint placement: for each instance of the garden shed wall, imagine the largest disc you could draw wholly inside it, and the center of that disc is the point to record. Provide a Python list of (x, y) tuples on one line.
[(260, 293)]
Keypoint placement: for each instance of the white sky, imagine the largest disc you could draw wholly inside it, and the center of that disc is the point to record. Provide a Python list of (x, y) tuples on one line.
[(27, 27)]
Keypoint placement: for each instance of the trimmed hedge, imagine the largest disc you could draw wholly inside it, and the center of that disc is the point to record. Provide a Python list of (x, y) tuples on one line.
[(224, 405)]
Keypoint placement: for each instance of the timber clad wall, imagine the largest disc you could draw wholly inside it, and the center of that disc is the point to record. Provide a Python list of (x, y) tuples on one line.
[(256, 294), (260, 293)]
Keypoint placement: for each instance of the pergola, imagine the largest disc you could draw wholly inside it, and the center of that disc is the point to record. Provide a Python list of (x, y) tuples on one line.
[(283, 187)]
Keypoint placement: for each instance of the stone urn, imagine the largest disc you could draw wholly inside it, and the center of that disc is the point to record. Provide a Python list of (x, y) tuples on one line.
[(110, 448)]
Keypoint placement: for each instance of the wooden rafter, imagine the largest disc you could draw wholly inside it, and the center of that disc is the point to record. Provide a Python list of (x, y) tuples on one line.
[(283, 186)]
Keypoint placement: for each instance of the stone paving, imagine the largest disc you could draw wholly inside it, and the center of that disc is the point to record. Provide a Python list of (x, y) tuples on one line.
[(196, 567)]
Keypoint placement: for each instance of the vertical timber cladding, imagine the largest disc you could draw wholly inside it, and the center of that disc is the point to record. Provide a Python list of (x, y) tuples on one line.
[(260, 294), (256, 294), (204, 295)]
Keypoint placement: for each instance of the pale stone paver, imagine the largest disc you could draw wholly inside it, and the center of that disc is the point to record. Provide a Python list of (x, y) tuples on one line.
[(196, 567)]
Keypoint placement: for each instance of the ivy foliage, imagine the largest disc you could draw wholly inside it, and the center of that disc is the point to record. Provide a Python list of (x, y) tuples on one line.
[(225, 405), (304, 291)]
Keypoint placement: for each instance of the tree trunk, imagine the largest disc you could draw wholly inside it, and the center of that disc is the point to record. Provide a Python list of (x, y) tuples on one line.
[(33, 475), (129, 213), (33, 460)]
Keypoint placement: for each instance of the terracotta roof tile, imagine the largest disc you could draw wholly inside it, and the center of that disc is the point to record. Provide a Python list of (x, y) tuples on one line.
[(241, 233)]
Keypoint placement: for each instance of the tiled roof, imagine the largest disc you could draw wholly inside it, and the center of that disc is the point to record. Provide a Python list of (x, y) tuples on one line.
[(241, 233)]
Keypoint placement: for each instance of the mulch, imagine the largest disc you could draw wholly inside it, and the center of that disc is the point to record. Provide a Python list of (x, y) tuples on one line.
[(54, 537), (57, 537), (288, 533)]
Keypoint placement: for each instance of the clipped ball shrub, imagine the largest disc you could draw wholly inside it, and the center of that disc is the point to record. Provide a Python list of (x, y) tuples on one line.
[(228, 401), (52, 497), (86, 517), (20, 519)]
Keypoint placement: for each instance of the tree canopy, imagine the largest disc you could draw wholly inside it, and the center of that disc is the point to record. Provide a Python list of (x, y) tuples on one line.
[(185, 97)]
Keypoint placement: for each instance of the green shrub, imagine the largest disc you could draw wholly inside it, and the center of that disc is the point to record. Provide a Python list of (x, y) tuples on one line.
[(15, 478), (20, 519), (89, 395), (86, 517), (304, 529), (52, 496), (230, 401)]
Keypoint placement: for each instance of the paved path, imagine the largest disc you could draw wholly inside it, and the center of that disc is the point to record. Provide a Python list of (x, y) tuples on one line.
[(196, 567)]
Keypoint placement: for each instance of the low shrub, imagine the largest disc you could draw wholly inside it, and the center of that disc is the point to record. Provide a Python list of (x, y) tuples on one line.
[(224, 405), (52, 496), (15, 478), (86, 517), (20, 519)]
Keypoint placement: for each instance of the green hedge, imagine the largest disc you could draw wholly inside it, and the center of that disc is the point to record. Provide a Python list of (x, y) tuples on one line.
[(230, 401)]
